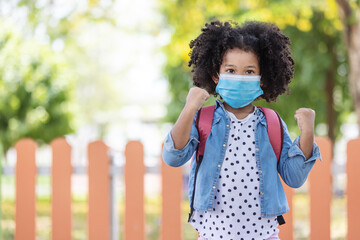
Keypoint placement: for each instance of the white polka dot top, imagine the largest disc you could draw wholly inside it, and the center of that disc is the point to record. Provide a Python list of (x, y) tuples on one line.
[(236, 210)]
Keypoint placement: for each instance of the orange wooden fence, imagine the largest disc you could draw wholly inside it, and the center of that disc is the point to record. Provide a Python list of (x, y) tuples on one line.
[(99, 225)]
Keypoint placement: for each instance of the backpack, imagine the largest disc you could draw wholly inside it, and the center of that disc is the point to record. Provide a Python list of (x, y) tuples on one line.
[(203, 124)]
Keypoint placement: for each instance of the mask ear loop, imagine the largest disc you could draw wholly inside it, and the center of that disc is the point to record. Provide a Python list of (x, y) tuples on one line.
[(217, 94), (218, 77)]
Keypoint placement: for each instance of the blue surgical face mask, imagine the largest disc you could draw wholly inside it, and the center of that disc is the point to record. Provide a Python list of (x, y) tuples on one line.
[(239, 90)]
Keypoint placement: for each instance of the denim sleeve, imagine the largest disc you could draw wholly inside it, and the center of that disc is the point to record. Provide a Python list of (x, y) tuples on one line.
[(293, 167), (178, 157)]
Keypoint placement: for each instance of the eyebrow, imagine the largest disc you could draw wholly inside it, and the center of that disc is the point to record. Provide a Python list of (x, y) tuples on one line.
[(230, 65), (251, 66)]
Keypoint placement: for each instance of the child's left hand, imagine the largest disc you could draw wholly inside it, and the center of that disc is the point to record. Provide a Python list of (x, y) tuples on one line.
[(305, 118)]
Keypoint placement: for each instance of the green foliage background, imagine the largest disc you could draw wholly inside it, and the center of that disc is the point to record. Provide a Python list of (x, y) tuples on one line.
[(35, 90), (41, 84), (37, 83)]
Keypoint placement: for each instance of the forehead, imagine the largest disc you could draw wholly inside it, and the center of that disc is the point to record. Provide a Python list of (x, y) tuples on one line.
[(239, 57)]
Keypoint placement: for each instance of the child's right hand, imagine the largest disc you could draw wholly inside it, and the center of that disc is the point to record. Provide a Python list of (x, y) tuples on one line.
[(182, 128), (196, 98)]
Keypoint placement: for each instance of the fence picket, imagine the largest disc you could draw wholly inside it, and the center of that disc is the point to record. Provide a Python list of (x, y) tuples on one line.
[(171, 182), (353, 190), (287, 230), (99, 191), (61, 171), (134, 191), (25, 209), (99, 224), (320, 192)]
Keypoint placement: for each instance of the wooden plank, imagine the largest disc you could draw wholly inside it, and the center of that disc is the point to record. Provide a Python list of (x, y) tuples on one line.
[(99, 191), (61, 190), (25, 209), (134, 192), (171, 182), (287, 230), (353, 189), (320, 192)]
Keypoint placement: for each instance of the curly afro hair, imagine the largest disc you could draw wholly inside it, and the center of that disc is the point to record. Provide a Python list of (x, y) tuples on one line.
[(263, 39)]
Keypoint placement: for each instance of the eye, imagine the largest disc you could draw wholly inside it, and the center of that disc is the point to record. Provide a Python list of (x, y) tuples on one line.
[(230, 70), (249, 72)]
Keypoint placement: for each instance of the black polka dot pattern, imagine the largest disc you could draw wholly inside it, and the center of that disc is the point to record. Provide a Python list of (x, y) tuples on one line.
[(236, 205)]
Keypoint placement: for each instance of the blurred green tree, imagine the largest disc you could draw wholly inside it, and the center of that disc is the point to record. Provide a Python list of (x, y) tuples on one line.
[(48, 41), (35, 90), (320, 80), (350, 16)]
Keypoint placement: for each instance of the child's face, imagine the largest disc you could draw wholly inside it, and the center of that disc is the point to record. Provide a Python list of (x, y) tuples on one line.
[(239, 62)]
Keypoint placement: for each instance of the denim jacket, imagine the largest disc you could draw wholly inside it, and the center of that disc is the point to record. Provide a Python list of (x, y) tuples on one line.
[(292, 167)]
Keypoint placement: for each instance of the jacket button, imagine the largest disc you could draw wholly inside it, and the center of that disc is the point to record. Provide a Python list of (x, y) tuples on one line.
[(219, 165), (224, 145), (259, 171), (214, 187), (261, 193), (257, 149), (227, 125)]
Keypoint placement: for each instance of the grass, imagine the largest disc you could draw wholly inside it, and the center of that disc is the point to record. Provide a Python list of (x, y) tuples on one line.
[(153, 221)]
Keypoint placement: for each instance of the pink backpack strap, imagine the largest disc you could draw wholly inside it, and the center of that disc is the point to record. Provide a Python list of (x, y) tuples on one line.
[(275, 130), (204, 124)]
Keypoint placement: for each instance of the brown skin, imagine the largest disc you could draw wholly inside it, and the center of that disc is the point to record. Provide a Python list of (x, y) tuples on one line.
[(237, 62), (180, 133)]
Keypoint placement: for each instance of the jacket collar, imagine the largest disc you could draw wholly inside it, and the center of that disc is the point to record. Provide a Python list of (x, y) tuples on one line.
[(259, 112)]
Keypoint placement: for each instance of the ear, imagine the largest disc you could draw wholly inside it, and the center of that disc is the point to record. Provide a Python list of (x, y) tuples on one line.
[(215, 79)]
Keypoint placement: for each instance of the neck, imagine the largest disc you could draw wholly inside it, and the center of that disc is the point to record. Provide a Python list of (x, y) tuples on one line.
[(240, 113)]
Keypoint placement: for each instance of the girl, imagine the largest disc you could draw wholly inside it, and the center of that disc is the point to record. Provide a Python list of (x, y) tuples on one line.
[(238, 193)]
